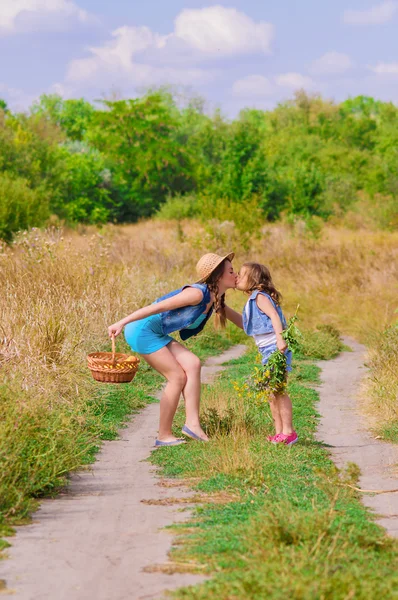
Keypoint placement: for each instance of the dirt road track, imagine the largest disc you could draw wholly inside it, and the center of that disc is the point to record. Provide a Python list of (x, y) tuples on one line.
[(94, 540), (342, 427)]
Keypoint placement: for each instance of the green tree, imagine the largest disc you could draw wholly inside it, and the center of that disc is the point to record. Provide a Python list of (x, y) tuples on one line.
[(72, 116), (139, 138), (84, 186)]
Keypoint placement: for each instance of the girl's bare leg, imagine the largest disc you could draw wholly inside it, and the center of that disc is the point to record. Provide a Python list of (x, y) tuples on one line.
[(165, 363), (285, 411), (274, 406), (190, 363)]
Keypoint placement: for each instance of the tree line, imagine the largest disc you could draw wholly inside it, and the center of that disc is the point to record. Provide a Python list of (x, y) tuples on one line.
[(122, 160)]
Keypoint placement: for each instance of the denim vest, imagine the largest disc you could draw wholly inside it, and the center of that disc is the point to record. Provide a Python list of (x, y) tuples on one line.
[(255, 321), (180, 318)]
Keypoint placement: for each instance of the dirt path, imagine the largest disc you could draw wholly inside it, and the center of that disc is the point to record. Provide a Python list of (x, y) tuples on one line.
[(343, 429), (94, 540)]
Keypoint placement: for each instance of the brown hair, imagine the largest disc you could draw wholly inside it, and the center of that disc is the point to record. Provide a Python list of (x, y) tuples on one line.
[(219, 303), (259, 278)]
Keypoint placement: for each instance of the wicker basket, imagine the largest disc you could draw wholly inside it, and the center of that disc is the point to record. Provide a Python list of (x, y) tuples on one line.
[(112, 367)]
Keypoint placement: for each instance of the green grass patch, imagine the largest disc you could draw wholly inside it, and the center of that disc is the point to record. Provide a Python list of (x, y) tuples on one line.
[(390, 432), (294, 528)]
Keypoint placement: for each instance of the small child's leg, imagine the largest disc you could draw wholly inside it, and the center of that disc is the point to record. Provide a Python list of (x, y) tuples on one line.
[(276, 415), (285, 411)]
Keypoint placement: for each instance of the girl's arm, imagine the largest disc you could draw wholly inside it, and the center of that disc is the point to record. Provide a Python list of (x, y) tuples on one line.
[(188, 297), (268, 308), (233, 316)]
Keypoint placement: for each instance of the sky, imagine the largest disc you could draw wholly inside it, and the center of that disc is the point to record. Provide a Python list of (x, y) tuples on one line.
[(234, 53)]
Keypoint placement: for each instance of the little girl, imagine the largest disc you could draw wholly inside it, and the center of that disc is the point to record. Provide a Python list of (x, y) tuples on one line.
[(262, 318)]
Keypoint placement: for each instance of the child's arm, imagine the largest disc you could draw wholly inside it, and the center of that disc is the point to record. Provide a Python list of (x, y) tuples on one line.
[(188, 297), (233, 316), (268, 308)]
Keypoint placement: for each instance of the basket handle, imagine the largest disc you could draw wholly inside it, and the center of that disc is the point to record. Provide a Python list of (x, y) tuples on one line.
[(113, 348)]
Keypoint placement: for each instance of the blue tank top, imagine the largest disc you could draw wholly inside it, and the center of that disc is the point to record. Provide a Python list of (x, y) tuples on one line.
[(197, 322)]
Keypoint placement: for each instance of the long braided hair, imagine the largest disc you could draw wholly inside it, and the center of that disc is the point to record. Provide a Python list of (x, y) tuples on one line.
[(220, 318), (259, 278)]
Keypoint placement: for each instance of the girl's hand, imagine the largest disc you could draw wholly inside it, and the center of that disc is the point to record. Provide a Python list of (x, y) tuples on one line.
[(115, 329), (281, 343)]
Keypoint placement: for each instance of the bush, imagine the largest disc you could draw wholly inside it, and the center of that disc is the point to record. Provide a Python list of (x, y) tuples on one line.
[(229, 222), (384, 212), (179, 207), (322, 344), (20, 206)]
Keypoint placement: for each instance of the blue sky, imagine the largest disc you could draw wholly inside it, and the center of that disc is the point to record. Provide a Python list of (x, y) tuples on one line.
[(234, 53)]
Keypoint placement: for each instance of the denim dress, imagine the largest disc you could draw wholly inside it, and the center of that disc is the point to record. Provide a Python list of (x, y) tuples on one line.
[(256, 323), (152, 333)]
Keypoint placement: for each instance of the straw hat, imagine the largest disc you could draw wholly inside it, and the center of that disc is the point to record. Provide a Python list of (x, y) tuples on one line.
[(208, 263)]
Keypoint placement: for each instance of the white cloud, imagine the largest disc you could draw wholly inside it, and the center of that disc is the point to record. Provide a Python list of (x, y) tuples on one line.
[(376, 15), (294, 80), (116, 53), (332, 62), (25, 15), (219, 31), (253, 85), (385, 69), (114, 62), (137, 56)]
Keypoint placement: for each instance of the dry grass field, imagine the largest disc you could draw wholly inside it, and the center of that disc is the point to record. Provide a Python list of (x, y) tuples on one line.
[(60, 290)]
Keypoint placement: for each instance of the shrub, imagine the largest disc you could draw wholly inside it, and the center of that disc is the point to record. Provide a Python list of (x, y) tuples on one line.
[(229, 222), (20, 206), (322, 344), (179, 207)]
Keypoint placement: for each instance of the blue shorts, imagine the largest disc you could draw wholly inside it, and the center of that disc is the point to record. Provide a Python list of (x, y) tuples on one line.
[(268, 350), (146, 336)]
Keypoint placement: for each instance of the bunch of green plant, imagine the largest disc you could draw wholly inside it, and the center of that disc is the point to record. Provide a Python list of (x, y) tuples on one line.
[(271, 379)]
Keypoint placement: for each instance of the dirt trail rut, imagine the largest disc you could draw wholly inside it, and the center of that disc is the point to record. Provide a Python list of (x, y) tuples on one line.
[(94, 540), (344, 430)]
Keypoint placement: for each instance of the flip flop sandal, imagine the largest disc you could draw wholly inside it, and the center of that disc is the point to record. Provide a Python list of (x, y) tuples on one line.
[(177, 442), (192, 435)]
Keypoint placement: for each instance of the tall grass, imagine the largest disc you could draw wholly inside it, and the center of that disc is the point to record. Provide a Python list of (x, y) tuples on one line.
[(59, 291), (381, 387)]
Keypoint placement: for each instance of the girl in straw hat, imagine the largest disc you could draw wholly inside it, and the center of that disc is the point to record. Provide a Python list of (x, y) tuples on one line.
[(186, 310)]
